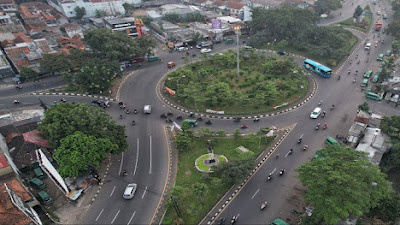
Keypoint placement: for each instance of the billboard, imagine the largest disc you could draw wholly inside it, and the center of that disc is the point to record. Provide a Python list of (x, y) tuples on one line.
[(216, 24)]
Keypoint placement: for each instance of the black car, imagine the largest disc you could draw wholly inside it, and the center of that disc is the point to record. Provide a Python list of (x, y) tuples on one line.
[(282, 53)]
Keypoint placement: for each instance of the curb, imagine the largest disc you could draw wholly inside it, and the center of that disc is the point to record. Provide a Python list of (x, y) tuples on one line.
[(102, 181), (71, 94), (180, 108)]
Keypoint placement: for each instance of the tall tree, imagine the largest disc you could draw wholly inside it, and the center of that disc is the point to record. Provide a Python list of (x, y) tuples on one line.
[(65, 119), (326, 6), (233, 171), (80, 12), (79, 150), (27, 73), (55, 63), (357, 12), (199, 191), (342, 182), (117, 46)]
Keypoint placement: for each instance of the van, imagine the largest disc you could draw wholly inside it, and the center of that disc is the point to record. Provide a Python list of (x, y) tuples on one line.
[(229, 41), (364, 83), (37, 183), (373, 96), (147, 109), (315, 113), (39, 172), (192, 123), (130, 190), (375, 79), (171, 64), (331, 141), (46, 198), (368, 74), (368, 46)]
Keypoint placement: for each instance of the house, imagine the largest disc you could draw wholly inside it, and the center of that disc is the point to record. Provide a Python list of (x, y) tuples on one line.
[(8, 6), (73, 29), (68, 43), (245, 14), (10, 23), (110, 7), (154, 15), (51, 39), (374, 144), (6, 69), (126, 25), (234, 7), (266, 4), (182, 10), (358, 127)]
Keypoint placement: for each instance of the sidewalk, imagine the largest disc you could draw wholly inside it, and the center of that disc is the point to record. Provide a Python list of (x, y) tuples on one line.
[(229, 195)]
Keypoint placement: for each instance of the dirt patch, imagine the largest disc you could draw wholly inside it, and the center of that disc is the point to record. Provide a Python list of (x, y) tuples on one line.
[(188, 173)]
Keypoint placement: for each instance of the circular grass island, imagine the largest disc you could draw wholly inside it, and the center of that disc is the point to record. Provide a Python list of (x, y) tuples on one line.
[(264, 83), (204, 165)]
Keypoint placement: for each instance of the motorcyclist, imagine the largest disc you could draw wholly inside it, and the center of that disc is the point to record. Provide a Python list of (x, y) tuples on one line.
[(127, 111), (124, 172), (354, 80), (133, 122), (333, 106), (338, 77), (233, 220), (291, 151), (135, 111), (208, 122), (243, 126), (277, 155), (263, 205), (349, 72), (325, 125), (305, 147), (282, 171), (16, 101), (120, 116), (178, 117), (256, 119), (323, 113)]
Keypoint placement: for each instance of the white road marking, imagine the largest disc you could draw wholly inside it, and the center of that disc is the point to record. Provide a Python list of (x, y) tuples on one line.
[(115, 217), (133, 215), (150, 157), (255, 194), (137, 156), (120, 165), (99, 214), (112, 191), (273, 171), (144, 192)]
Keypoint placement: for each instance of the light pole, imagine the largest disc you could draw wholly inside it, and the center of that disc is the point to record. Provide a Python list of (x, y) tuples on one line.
[(177, 83), (237, 31)]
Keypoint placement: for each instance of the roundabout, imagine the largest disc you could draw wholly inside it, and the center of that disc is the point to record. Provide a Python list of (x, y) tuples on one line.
[(205, 162)]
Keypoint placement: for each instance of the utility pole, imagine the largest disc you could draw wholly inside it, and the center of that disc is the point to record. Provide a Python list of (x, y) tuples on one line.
[(237, 31)]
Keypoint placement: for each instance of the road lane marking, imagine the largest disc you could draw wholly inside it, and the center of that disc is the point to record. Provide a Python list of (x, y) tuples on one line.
[(144, 192), (133, 215), (99, 214), (150, 157), (273, 171), (112, 191), (166, 177), (120, 165), (255, 194), (137, 156), (115, 217)]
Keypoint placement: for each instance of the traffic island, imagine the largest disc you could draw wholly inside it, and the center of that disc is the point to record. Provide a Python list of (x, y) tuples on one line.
[(205, 162)]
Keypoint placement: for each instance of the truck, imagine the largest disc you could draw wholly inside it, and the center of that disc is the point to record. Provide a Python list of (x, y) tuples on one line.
[(378, 25)]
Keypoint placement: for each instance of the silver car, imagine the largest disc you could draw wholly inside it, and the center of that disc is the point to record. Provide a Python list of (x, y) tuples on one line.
[(147, 109), (130, 191)]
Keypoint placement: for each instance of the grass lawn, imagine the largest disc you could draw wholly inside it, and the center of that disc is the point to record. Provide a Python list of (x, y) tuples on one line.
[(187, 175), (199, 163)]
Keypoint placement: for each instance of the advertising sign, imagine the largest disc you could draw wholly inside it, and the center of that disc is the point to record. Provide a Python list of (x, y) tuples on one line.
[(169, 90), (216, 24)]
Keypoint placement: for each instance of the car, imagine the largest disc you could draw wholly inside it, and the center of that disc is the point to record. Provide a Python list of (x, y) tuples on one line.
[(171, 64), (205, 50), (367, 46), (380, 57), (147, 109), (181, 49), (385, 16), (282, 53), (378, 13), (248, 48), (46, 198), (388, 52), (137, 60), (315, 113), (39, 172), (130, 190), (37, 183), (367, 74)]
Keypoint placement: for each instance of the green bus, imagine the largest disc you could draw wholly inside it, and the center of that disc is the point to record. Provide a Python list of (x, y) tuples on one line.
[(373, 96), (331, 141)]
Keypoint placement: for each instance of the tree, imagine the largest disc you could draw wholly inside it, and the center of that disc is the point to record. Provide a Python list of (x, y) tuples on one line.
[(183, 141), (55, 63), (199, 191), (358, 11), (27, 73), (79, 150), (234, 171), (80, 12), (388, 209), (342, 182), (175, 200), (326, 6), (364, 107), (65, 119), (117, 46), (395, 46), (173, 18), (100, 13), (96, 77), (236, 134), (128, 8)]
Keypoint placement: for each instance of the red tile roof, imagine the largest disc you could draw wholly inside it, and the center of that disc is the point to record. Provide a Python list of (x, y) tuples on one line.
[(21, 38), (10, 214), (3, 162), (234, 5)]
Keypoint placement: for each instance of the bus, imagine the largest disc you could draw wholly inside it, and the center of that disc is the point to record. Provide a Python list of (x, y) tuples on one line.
[(373, 96), (317, 68)]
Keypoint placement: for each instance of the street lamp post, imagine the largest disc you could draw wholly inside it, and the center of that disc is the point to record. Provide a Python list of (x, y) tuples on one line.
[(237, 31), (177, 83)]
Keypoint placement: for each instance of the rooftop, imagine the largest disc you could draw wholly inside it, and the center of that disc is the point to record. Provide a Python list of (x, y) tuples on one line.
[(120, 20), (373, 143)]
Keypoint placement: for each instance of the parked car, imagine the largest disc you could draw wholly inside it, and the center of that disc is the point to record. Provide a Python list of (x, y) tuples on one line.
[(130, 190), (229, 41), (37, 183), (45, 198), (39, 172), (205, 50), (137, 60)]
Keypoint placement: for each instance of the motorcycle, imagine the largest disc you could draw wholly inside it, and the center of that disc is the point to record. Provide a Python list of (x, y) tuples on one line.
[(269, 178), (318, 125), (63, 100), (124, 173), (325, 126), (193, 55), (18, 87), (163, 115), (168, 120), (256, 119), (121, 117), (281, 172), (233, 220), (169, 113), (178, 117), (236, 119), (208, 122), (263, 205), (191, 115), (290, 151), (199, 119), (243, 126), (127, 111), (135, 111), (305, 147), (323, 114), (333, 106), (133, 123), (300, 139), (16, 102)]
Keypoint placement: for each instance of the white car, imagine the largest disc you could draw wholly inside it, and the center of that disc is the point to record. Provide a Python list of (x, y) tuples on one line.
[(147, 109), (129, 191), (315, 113), (378, 13), (181, 49), (205, 50), (368, 46)]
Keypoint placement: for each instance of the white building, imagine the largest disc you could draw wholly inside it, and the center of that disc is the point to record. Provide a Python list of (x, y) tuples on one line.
[(111, 7)]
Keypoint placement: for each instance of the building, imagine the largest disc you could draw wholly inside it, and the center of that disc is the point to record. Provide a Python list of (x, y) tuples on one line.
[(110, 7), (179, 9), (234, 7), (73, 29), (154, 15), (358, 127), (374, 144), (126, 25), (10, 23), (68, 43), (5, 67), (8, 6)]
